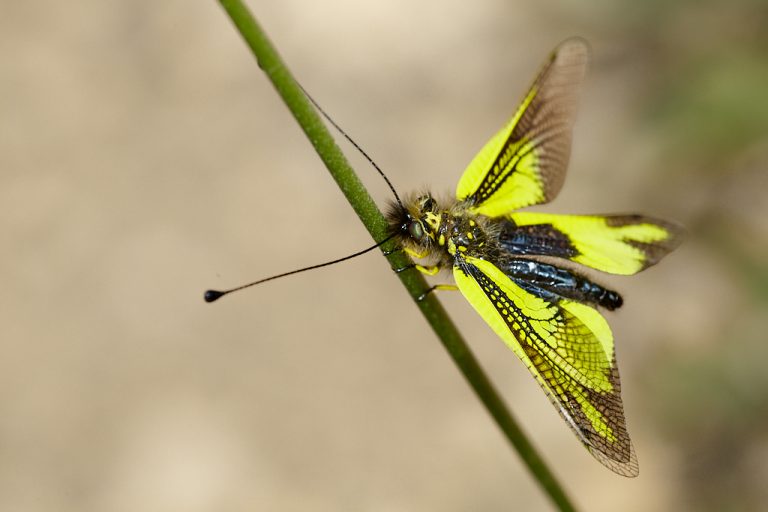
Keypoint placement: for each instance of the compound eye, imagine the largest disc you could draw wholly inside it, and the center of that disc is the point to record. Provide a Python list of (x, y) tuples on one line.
[(415, 230)]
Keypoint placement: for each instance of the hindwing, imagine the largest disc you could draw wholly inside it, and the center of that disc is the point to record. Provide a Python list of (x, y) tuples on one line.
[(568, 348), (617, 244)]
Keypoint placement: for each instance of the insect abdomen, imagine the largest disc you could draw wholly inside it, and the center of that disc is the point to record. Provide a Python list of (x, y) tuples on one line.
[(554, 283), (538, 239)]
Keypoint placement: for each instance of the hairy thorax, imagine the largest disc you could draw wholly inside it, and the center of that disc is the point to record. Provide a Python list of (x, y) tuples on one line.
[(442, 232)]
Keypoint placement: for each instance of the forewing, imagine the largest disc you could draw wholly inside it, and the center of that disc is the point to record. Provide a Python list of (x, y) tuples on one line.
[(568, 347), (617, 244), (525, 162)]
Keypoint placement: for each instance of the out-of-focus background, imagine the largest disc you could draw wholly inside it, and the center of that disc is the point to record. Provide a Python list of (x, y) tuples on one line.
[(144, 158)]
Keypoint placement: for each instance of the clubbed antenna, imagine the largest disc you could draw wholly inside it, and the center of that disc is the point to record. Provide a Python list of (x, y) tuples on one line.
[(214, 295)]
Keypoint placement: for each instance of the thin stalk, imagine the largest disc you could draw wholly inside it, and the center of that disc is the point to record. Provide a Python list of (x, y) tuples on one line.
[(374, 221)]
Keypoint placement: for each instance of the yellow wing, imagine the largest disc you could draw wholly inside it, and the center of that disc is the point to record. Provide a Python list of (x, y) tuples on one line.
[(568, 347), (618, 244), (525, 162)]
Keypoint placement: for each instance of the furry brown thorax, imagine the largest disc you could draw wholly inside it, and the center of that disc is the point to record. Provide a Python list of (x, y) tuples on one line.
[(442, 232)]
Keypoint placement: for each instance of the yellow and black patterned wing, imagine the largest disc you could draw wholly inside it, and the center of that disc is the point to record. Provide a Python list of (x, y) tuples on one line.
[(568, 347), (617, 244), (525, 162)]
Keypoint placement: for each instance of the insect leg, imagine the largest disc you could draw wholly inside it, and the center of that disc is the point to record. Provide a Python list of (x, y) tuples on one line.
[(429, 270), (447, 287), (415, 254)]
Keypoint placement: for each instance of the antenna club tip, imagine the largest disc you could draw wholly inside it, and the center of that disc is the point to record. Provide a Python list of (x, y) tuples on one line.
[(212, 295)]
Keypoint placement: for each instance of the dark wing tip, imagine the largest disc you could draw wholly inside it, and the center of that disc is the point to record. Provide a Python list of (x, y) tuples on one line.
[(553, 115), (574, 46), (628, 468), (656, 251)]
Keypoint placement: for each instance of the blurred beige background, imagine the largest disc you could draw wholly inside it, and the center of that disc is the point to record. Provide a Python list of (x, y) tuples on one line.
[(144, 158)]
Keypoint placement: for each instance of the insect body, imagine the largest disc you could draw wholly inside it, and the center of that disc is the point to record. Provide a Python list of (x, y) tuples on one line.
[(517, 268)]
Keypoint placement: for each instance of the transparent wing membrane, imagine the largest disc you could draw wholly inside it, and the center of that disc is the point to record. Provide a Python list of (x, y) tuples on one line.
[(567, 347), (525, 162)]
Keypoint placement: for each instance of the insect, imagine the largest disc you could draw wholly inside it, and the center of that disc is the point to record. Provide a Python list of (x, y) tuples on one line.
[(517, 268)]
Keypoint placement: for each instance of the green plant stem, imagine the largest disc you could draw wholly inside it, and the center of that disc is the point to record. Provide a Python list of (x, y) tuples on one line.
[(374, 221)]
